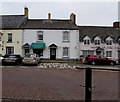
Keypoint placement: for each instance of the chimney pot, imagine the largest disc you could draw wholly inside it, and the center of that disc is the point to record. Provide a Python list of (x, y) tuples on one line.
[(73, 18), (116, 24), (49, 16), (26, 11)]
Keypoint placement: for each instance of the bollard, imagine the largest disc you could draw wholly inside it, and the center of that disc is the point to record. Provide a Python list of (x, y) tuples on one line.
[(88, 85)]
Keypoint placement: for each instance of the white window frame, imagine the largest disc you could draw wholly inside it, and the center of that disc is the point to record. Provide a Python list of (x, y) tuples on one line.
[(108, 53), (39, 35), (66, 36), (65, 51), (97, 42), (109, 42), (86, 42), (11, 48), (10, 37)]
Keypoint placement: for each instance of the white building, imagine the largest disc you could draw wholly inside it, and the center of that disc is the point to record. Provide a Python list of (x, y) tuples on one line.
[(51, 38), (95, 40)]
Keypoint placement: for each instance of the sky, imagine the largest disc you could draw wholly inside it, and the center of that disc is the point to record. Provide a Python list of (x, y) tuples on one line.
[(88, 12)]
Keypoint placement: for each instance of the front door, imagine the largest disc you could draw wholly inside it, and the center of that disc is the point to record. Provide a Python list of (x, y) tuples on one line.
[(52, 53)]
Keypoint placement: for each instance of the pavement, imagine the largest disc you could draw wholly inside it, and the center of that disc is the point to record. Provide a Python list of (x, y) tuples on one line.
[(100, 67)]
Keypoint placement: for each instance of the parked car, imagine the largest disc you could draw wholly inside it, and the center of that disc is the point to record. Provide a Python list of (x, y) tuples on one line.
[(12, 59), (31, 58), (97, 59)]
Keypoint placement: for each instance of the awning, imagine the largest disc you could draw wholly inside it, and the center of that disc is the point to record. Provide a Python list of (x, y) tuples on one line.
[(38, 45)]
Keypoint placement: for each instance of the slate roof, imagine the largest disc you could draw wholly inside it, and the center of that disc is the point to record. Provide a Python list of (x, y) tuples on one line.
[(102, 32), (50, 24), (12, 21)]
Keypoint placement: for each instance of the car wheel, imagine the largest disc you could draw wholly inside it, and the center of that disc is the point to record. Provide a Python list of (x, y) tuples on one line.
[(93, 63), (111, 63)]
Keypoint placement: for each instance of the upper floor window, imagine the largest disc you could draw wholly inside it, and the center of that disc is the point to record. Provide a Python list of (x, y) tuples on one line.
[(97, 42), (66, 36), (9, 37), (109, 42), (86, 42), (40, 35)]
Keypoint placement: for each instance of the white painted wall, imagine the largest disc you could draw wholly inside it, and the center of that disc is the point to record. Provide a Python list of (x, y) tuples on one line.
[(114, 47), (55, 37)]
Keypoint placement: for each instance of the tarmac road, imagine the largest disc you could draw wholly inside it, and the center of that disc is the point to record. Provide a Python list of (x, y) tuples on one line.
[(33, 83)]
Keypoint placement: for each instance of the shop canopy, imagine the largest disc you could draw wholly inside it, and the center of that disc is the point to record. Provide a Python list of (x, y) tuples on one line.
[(38, 45)]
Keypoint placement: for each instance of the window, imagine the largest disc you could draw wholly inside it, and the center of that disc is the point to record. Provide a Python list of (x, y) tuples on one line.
[(108, 42), (87, 52), (97, 42), (86, 42), (108, 53), (66, 36), (65, 52), (40, 35), (9, 50), (10, 37)]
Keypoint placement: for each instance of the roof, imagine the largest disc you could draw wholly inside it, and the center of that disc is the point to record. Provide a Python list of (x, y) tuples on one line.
[(50, 24), (102, 32), (12, 21)]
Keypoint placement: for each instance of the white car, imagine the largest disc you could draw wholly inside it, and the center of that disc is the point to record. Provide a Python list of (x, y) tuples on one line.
[(31, 58)]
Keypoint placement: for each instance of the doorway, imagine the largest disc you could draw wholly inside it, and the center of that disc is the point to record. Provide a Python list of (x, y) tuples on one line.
[(38, 52), (52, 53)]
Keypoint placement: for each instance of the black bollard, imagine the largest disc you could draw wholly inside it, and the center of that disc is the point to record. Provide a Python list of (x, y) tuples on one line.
[(88, 85)]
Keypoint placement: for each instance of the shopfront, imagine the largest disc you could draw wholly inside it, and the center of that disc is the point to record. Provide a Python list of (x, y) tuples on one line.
[(38, 48)]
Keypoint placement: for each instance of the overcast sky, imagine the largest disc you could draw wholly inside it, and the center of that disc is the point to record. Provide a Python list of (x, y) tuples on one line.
[(94, 13)]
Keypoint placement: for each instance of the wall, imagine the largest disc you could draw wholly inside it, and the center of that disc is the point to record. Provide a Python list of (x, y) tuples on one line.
[(16, 41), (55, 37)]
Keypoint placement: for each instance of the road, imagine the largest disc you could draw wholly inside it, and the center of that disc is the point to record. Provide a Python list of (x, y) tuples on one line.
[(34, 83)]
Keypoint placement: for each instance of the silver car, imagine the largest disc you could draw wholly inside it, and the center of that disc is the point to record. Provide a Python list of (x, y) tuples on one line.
[(31, 58)]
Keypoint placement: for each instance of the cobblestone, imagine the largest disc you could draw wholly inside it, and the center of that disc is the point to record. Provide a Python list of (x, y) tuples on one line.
[(56, 65)]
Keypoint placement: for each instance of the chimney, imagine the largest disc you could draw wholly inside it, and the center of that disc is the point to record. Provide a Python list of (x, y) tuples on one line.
[(26, 11), (73, 18), (49, 16), (116, 24)]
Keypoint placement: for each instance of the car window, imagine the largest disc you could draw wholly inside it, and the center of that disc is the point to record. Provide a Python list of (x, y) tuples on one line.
[(96, 56), (103, 57)]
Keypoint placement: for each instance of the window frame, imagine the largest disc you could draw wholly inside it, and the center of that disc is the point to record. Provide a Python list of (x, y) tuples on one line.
[(10, 49), (108, 53), (66, 52), (109, 42), (10, 38), (66, 36), (86, 42), (39, 33), (97, 42)]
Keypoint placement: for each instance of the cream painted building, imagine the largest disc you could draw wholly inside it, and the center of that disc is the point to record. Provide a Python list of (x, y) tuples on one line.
[(11, 42), (11, 29)]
